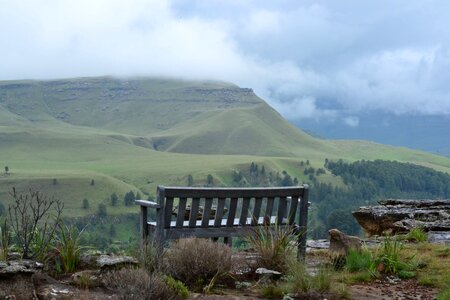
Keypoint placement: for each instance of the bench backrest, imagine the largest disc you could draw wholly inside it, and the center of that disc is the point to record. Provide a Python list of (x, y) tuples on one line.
[(233, 206)]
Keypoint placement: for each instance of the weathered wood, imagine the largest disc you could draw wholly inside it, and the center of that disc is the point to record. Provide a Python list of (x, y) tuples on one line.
[(194, 212), (168, 212), (181, 210), (143, 220), (191, 192), (301, 253), (202, 222), (146, 203), (159, 231), (244, 211), (269, 209), (293, 210), (256, 210), (207, 212), (219, 212), (232, 211), (282, 207)]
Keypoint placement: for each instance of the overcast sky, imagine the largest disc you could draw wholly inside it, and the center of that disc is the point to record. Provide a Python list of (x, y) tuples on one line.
[(316, 59)]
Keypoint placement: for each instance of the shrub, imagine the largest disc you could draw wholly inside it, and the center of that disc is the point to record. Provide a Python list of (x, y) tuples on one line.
[(273, 245), (359, 261), (68, 247), (300, 281), (149, 257), (272, 291), (31, 221), (197, 262), (444, 295), (177, 286), (389, 256), (137, 284), (417, 235)]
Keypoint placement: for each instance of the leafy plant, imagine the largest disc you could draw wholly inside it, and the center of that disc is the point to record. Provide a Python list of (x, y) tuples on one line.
[(389, 256), (359, 261), (177, 286), (417, 235), (273, 245), (68, 247)]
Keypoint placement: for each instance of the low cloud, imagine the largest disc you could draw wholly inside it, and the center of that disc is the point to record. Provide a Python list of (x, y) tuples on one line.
[(309, 59)]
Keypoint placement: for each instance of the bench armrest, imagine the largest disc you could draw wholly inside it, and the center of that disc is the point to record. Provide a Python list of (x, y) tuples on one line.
[(146, 203)]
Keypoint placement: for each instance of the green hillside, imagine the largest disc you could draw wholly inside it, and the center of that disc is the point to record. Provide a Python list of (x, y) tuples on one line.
[(132, 134)]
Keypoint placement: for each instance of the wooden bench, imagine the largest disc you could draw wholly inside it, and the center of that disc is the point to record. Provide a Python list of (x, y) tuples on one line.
[(237, 211)]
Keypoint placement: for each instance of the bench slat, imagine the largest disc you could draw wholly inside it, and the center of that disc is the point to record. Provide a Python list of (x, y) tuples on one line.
[(181, 212), (269, 209), (191, 192), (194, 212), (256, 210), (244, 211), (168, 212), (223, 223), (207, 212), (293, 210), (219, 212), (282, 207), (232, 211)]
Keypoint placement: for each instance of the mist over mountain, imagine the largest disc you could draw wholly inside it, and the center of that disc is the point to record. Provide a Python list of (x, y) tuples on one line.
[(424, 132)]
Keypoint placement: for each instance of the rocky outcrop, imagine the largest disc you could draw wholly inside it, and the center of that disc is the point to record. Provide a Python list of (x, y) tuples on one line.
[(397, 216), (341, 243)]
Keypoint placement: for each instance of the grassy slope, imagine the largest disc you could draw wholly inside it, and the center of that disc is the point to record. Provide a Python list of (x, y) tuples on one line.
[(105, 129)]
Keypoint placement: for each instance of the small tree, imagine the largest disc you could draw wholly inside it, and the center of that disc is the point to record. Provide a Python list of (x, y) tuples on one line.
[(190, 180), (114, 199), (92, 182), (85, 203), (129, 198), (102, 213), (112, 230), (6, 170), (32, 221), (210, 180)]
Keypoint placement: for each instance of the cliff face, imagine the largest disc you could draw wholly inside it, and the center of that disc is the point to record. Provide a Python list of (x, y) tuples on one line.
[(396, 216)]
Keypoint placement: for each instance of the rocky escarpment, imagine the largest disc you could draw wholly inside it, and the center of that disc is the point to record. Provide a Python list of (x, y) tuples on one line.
[(397, 216)]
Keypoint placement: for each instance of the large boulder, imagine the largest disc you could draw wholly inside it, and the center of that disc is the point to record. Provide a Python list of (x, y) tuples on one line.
[(397, 216), (340, 243)]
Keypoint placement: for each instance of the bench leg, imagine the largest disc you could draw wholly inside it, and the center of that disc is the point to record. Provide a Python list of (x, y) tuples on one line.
[(228, 241)]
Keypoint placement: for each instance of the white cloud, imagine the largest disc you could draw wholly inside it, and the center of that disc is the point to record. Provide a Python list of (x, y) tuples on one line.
[(351, 121), (300, 57)]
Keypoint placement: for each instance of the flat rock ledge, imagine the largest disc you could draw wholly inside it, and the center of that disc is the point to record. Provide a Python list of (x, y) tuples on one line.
[(16, 267), (394, 216)]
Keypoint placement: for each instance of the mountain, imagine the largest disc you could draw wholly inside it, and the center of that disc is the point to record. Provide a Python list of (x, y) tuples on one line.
[(135, 133)]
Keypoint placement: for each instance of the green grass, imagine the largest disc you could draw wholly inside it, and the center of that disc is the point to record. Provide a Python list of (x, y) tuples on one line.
[(104, 129)]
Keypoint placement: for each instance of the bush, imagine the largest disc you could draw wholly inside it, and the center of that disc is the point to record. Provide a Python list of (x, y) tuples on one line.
[(300, 281), (196, 262), (177, 286), (149, 257), (359, 261), (417, 235), (32, 221), (272, 291), (273, 245), (137, 284), (68, 247)]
